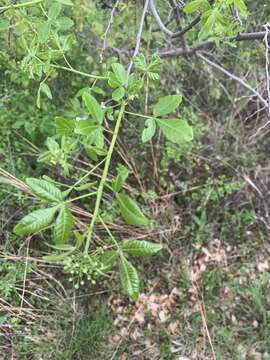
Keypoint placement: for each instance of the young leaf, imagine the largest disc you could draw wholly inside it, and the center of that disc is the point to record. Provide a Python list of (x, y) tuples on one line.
[(63, 225), (64, 126), (122, 175), (130, 211), (129, 279), (93, 107), (149, 130), (167, 104), (192, 6), (35, 221), (176, 130), (120, 73), (46, 90), (241, 7), (140, 247), (45, 190)]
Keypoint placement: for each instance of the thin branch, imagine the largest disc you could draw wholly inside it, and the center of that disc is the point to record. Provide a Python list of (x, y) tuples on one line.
[(233, 77), (158, 19), (139, 34), (189, 50)]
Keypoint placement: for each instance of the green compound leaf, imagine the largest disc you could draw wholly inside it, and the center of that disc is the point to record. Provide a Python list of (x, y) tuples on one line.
[(45, 190), (176, 130), (64, 126), (122, 174), (167, 104), (140, 247), (63, 226), (131, 211), (93, 107), (129, 278), (35, 221), (149, 130)]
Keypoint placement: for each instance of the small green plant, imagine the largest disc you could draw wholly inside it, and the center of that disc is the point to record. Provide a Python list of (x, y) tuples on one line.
[(89, 131)]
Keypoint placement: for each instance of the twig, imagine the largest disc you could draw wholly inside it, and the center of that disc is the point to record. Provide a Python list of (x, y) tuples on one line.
[(139, 35), (234, 77), (266, 27), (107, 31), (158, 19)]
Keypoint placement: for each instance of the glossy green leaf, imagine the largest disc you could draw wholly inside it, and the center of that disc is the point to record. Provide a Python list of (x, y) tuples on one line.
[(44, 190), (64, 126), (176, 130), (129, 279), (93, 107), (167, 104), (131, 211), (140, 247), (35, 221), (149, 131), (122, 174), (63, 225)]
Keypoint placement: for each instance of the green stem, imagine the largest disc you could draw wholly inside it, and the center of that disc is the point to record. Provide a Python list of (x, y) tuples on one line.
[(104, 178), (109, 233), (140, 115), (78, 72), (80, 197), (15, 6)]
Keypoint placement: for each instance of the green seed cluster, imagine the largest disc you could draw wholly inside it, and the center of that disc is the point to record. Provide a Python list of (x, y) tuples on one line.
[(84, 268)]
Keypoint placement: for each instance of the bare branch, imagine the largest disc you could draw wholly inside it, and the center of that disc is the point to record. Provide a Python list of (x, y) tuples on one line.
[(139, 35), (233, 77), (158, 19)]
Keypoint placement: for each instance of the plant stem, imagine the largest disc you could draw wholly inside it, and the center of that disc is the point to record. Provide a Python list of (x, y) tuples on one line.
[(14, 6), (104, 178), (80, 197), (78, 72)]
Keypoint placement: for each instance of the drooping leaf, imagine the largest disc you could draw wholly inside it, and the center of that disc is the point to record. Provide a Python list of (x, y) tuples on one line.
[(64, 126), (129, 279), (149, 130), (176, 130), (35, 221), (63, 225), (140, 247), (45, 190), (93, 107), (131, 211), (46, 90), (167, 104), (122, 174)]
